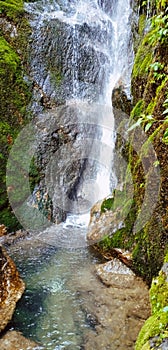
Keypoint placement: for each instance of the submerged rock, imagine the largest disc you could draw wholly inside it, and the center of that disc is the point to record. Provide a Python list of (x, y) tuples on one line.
[(114, 273), (121, 309), (13, 340), (12, 288)]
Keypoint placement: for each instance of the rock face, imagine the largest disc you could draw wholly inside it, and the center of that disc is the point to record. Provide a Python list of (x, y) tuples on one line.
[(13, 340), (12, 288), (120, 100), (107, 216), (113, 272), (106, 224), (110, 317)]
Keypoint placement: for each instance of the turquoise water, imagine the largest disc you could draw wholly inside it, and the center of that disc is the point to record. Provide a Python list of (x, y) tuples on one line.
[(57, 282)]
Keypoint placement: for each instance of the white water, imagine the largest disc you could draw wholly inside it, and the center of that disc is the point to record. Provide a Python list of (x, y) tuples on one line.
[(62, 290), (110, 47)]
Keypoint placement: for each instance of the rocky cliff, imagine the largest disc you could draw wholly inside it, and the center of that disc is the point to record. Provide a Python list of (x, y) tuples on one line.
[(149, 112)]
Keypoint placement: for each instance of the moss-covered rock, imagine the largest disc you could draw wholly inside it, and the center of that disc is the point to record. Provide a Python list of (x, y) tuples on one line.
[(148, 243), (14, 91), (155, 330)]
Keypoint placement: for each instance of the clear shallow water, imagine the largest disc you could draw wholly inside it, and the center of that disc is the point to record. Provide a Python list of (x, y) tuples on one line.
[(51, 309), (66, 306)]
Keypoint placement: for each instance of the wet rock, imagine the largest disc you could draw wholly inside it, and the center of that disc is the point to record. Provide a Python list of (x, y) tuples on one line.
[(165, 270), (123, 255), (103, 223), (3, 230), (13, 340), (119, 310), (10, 238), (120, 100), (154, 344), (66, 72), (106, 225), (12, 288), (8, 28), (114, 273)]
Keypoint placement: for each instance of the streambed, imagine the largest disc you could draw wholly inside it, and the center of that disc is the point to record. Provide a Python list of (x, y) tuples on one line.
[(66, 305)]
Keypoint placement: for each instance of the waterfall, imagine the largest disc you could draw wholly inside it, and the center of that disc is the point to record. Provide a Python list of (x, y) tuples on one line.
[(79, 51)]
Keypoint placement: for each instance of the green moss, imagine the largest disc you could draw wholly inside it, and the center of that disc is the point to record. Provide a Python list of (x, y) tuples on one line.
[(141, 24), (143, 58), (8, 58), (137, 110), (151, 106), (9, 219), (161, 4), (166, 257), (146, 346), (159, 292), (116, 240), (155, 325), (14, 95), (34, 174), (13, 9), (107, 204)]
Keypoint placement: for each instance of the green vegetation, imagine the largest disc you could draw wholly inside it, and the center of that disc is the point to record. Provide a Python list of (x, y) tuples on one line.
[(150, 112), (12, 9), (143, 58), (14, 94), (157, 325)]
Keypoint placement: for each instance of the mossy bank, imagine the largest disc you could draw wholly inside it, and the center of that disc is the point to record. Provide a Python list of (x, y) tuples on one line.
[(14, 90), (149, 170), (149, 244)]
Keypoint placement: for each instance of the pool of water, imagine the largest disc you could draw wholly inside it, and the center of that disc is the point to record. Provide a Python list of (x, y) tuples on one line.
[(51, 309), (66, 306)]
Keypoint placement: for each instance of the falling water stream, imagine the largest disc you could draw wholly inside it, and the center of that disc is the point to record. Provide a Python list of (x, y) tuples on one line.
[(65, 305)]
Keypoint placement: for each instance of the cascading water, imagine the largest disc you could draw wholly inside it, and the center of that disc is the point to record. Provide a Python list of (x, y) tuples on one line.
[(80, 50), (83, 51)]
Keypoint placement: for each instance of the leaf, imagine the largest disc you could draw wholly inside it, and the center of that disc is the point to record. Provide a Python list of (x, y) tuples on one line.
[(138, 123), (165, 309), (166, 133), (156, 163), (165, 137), (147, 126), (149, 117), (166, 111), (165, 102)]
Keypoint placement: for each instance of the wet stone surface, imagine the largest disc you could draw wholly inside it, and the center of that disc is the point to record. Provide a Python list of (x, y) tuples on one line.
[(13, 340)]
